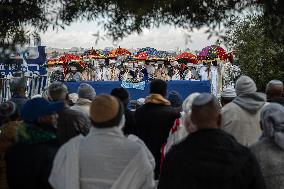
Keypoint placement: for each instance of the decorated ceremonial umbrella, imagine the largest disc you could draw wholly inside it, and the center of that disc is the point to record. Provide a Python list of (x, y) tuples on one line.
[(163, 55), (188, 57), (211, 53), (142, 56), (69, 58), (119, 52)]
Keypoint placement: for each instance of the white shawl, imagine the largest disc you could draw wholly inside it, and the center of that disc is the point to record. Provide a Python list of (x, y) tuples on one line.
[(138, 174)]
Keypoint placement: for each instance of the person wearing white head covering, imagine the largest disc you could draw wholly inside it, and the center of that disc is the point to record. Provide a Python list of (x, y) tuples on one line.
[(269, 150), (178, 132), (241, 117)]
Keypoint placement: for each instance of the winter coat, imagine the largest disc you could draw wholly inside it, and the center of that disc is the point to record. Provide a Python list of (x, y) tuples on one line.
[(29, 161), (130, 124), (277, 100), (210, 159), (8, 134), (271, 161), (154, 121), (19, 101), (71, 123), (241, 117), (82, 105)]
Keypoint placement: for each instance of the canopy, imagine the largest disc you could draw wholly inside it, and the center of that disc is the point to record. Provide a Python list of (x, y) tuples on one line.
[(188, 56), (212, 52), (119, 52)]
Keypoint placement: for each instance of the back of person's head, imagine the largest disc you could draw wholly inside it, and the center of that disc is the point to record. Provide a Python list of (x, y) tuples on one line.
[(107, 111), (57, 91), (158, 86), (272, 123), (175, 99), (245, 85), (9, 112), (274, 89), (18, 86), (122, 94), (206, 112), (86, 91), (228, 95)]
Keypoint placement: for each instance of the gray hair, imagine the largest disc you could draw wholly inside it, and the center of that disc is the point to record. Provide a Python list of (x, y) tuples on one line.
[(57, 91)]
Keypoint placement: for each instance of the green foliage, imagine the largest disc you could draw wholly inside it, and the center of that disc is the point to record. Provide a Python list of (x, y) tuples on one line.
[(260, 57), (23, 19)]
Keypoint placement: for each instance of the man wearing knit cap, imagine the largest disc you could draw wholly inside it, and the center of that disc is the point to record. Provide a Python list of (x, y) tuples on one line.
[(275, 92), (18, 88), (105, 158), (241, 116), (209, 157), (228, 95), (86, 93)]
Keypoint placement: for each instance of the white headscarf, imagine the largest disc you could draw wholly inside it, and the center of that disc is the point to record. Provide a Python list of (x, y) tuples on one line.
[(272, 121)]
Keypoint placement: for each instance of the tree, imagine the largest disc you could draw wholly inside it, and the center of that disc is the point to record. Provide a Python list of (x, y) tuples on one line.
[(22, 19), (259, 56)]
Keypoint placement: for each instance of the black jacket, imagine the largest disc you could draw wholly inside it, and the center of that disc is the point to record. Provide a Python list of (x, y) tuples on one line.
[(210, 159), (29, 163), (154, 122), (130, 125)]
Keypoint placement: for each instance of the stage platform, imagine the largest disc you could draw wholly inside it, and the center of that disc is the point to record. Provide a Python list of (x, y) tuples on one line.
[(183, 87)]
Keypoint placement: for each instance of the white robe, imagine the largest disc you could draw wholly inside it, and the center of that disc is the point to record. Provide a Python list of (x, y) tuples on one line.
[(137, 173), (214, 80), (203, 73), (113, 74), (176, 75), (101, 74)]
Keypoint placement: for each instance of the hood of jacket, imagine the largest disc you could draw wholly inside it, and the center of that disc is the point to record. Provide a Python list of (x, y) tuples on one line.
[(83, 101), (252, 102), (157, 99), (217, 158)]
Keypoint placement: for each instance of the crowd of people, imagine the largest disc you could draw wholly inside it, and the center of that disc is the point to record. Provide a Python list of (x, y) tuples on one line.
[(84, 140)]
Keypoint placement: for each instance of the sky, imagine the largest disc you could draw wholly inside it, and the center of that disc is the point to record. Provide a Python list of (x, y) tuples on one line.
[(163, 38)]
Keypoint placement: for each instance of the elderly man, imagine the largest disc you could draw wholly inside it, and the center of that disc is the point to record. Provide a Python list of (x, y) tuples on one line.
[(274, 92), (209, 157), (29, 161), (86, 93), (269, 150), (241, 116), (70, 122), (105, 158)]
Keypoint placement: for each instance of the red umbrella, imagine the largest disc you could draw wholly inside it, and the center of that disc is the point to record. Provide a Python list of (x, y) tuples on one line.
[(188, 56), (142, 56), (119, 52), (69, 58)]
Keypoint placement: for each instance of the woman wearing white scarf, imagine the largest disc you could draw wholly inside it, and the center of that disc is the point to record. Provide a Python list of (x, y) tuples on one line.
[(269, 151), (105, 158), (179, 131)]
